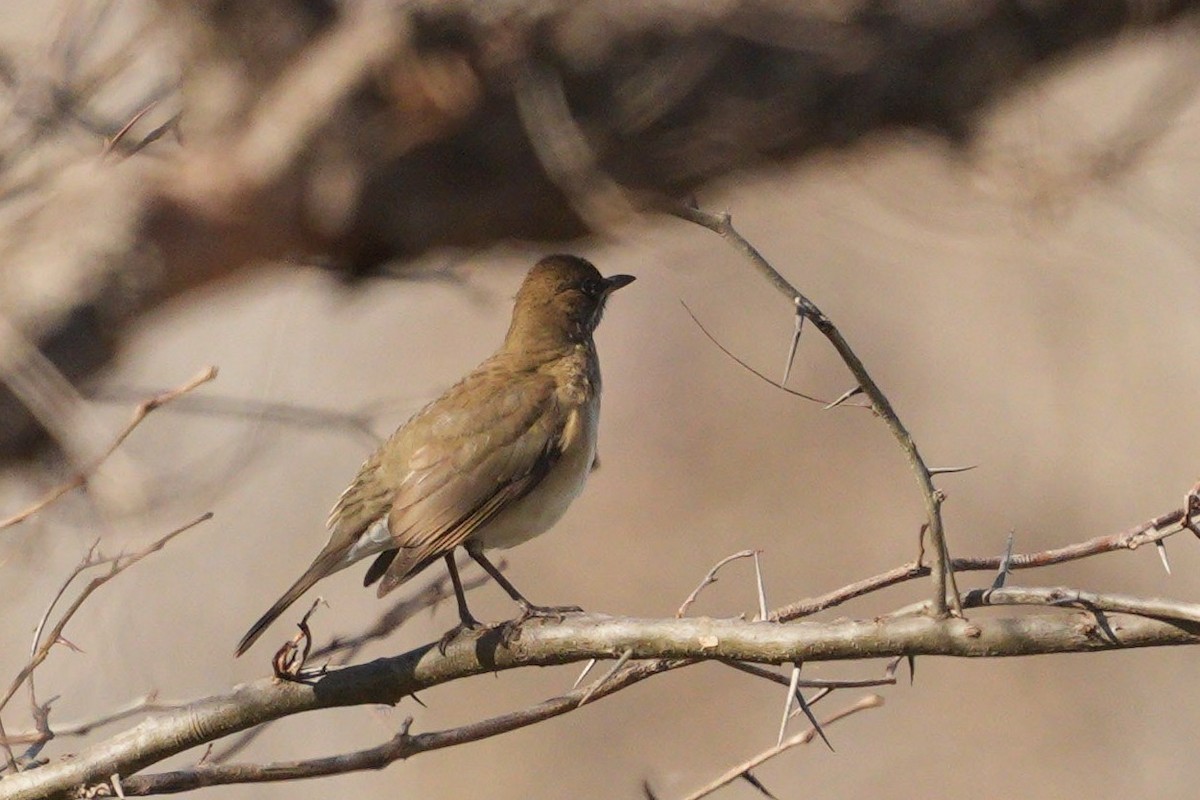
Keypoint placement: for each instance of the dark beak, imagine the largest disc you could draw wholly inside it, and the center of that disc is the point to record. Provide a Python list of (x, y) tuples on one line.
[(615, 282)]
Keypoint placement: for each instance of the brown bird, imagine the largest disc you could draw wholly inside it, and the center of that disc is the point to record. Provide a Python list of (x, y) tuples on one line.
[(491, 463)]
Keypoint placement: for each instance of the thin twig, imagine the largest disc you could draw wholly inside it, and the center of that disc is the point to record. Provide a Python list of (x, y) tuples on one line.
[(870, 701), (116, 567), (744, 365), (1152, 530), (148, 703), (140, 413), (943, 578), (711, 578)]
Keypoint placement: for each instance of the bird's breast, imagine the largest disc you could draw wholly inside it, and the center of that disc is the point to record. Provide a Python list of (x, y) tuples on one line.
[(537, 511)]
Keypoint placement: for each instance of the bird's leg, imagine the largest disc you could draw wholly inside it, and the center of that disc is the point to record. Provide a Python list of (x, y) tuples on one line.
[(465, 620), (528, 609)]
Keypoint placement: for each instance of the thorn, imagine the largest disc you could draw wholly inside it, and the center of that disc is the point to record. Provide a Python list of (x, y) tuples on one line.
[(1005, 564), (762, 591), (844, 397), (420, 702), (912, 670), (951, 470), (648, 791), (804, 706), (793, 685), (791, 358), (748, 776), (595, 686), (1162, 554), (586, 669)]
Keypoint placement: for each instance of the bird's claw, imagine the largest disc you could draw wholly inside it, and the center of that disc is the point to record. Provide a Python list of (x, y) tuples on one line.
[(449, 636), (510, 631)]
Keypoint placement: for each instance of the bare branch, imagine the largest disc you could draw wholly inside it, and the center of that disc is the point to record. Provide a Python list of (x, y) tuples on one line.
[(870, 701), (711, 578), (140, 413), (943, 577), (761, 376), (116, 567), (1159, 527), (665, 643)]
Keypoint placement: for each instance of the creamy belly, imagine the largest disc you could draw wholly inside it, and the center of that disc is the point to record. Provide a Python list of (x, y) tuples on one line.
[(537, 511)]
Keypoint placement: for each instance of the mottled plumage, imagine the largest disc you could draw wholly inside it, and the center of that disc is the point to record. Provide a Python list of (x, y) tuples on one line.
[(491, 463)]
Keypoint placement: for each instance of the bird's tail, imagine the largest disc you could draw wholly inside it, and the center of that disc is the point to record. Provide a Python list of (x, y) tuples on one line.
[(318, 570)]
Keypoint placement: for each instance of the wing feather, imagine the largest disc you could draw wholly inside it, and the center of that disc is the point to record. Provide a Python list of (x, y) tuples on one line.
[(454, 467)]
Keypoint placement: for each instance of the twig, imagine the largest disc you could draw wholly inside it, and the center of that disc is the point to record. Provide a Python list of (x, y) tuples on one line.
[(744, 365), (943, 578), (140, 413), (357, 422), (1156, 608), (146, 704), (870, 701), (116, 567), (711, 578), (1152, 530)]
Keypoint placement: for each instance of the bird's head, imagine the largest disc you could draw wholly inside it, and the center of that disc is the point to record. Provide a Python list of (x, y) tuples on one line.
[(561, 301)]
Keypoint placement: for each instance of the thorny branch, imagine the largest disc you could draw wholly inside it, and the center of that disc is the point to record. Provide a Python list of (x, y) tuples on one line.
[(43, 645), (868, 702), (943, 571), (1080, 622)]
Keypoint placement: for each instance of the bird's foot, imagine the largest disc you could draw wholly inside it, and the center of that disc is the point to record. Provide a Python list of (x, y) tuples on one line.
[(467, 624), (510, 631)]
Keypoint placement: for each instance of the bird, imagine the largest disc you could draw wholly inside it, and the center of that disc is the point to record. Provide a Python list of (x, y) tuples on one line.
[(493, 462)]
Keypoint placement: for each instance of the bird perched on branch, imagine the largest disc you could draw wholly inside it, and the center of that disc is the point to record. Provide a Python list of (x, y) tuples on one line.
[(491, 463)]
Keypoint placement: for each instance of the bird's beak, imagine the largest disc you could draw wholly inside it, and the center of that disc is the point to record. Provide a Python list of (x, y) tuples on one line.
[(615, 282)]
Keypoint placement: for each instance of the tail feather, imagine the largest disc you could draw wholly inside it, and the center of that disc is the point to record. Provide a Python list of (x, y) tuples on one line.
[(318, 570)]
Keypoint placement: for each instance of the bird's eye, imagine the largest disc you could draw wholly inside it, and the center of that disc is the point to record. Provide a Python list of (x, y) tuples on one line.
[(593, 287)]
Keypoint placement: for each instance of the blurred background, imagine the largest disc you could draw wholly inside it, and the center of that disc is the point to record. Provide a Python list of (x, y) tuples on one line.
[(1028, 303)]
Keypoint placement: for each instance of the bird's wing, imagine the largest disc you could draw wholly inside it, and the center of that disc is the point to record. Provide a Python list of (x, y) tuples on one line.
[(457, 465)]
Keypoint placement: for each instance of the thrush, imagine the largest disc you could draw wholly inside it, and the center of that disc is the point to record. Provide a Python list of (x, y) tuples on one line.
[(493, 462)]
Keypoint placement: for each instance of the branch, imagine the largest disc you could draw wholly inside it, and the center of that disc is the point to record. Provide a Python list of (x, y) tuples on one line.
[(868, 702), (41, 650), (943, 575), (1152, 530), (546, 643)]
